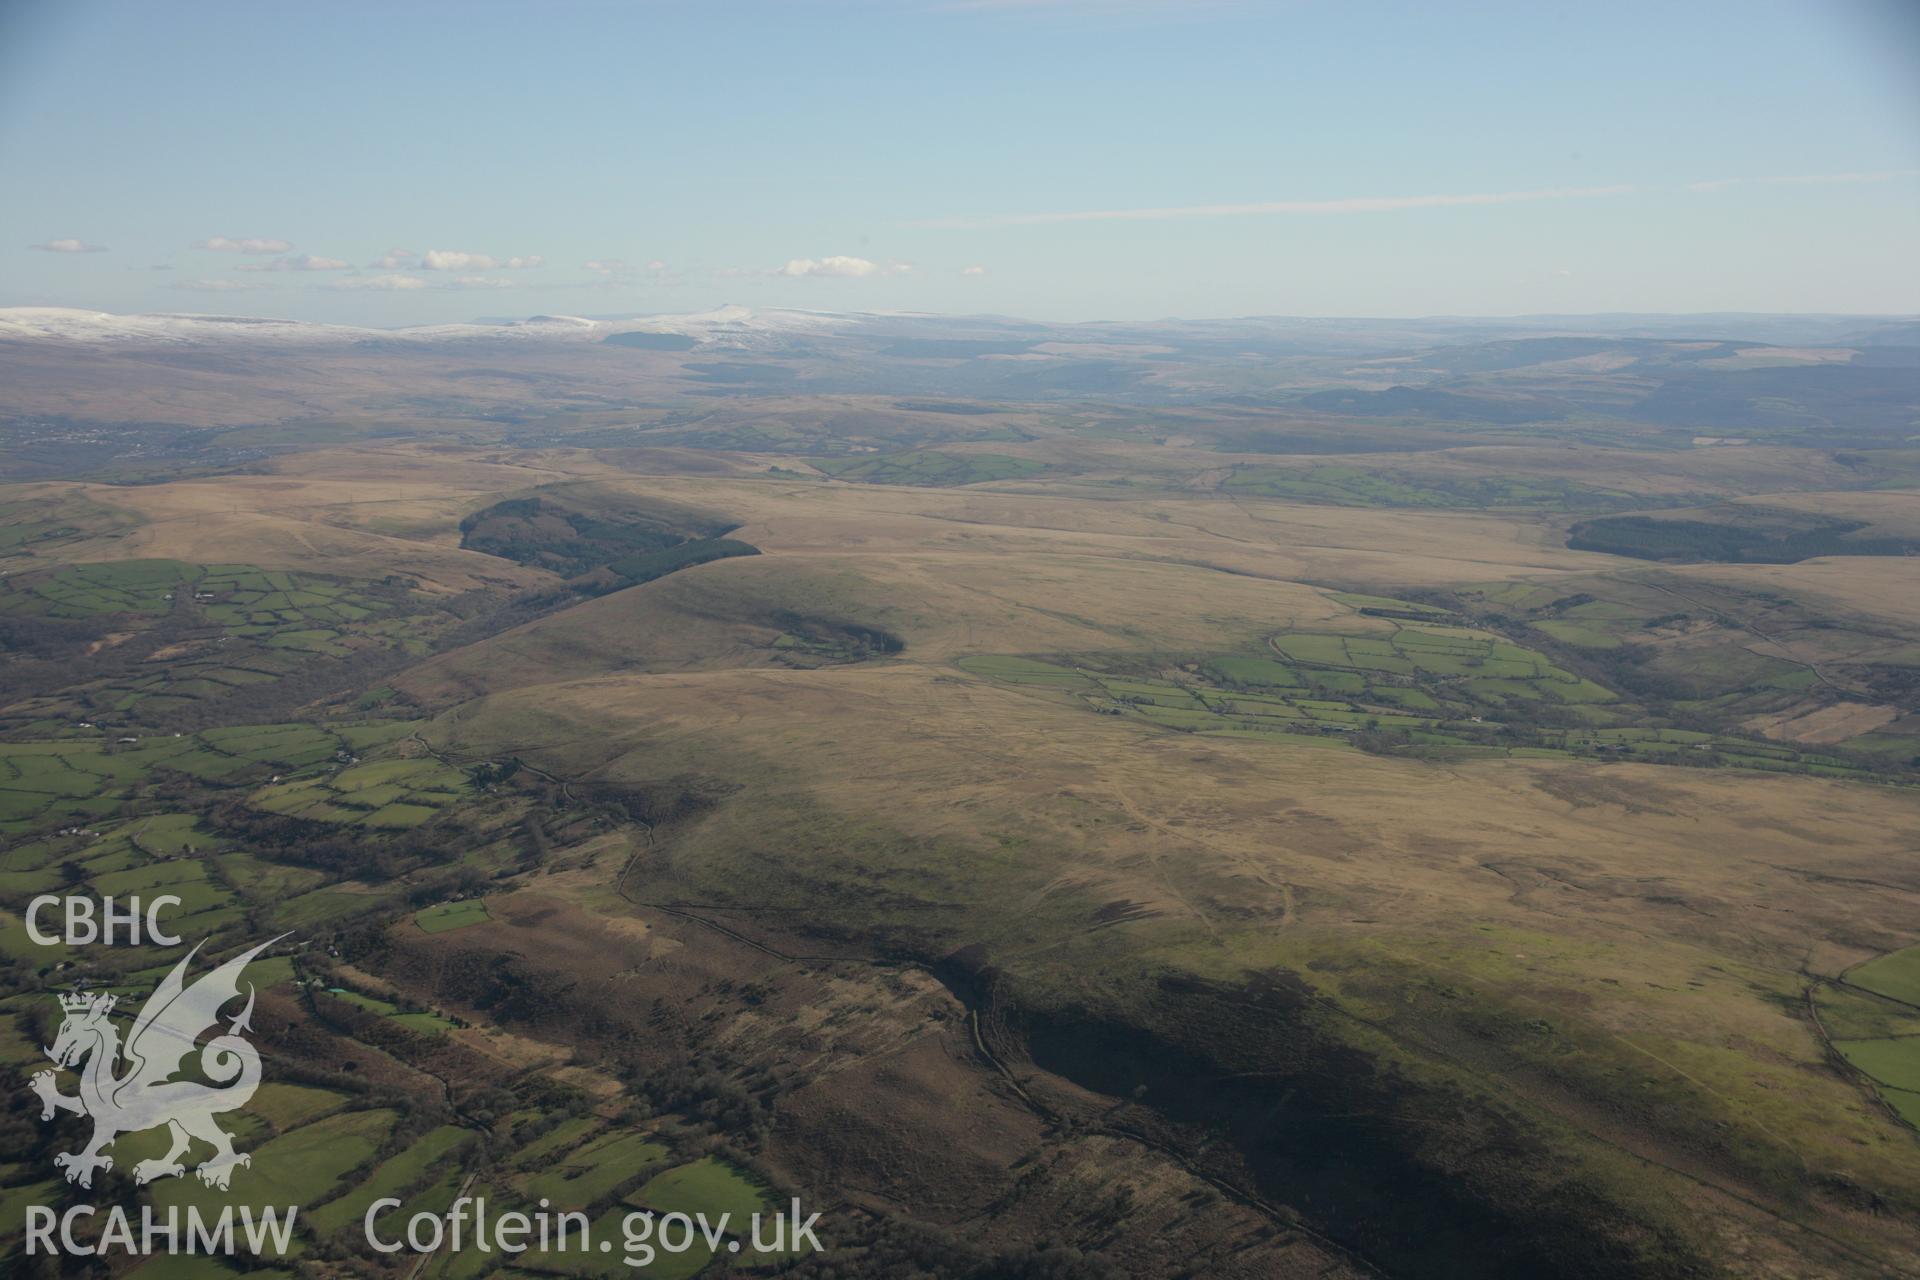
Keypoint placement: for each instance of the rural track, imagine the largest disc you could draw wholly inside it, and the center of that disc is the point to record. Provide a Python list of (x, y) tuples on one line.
[(466, 1119), (420, 1263), (463, 1118), (1240, 859)]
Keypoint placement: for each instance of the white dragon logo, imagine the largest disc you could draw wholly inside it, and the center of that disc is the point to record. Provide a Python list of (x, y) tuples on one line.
[(146, 1097)]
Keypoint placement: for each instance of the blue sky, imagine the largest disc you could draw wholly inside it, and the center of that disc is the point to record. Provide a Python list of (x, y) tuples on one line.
[(1062, 159)]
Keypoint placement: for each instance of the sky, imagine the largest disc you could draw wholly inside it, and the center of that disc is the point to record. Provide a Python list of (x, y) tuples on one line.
[(426, 162)]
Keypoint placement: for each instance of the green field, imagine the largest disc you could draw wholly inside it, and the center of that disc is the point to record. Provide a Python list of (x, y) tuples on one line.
[(399, 1174), (713, 1187), (50, 783), (421, 1022), (300, 1167), (287, 1106), (380, 1008), (452, 915), (15, 1199), (1895, 975), (556, 1140), (588, 1173), (387, 794), (1873, 1018), (1894, 1063), (1258, 672), (710, 1186)]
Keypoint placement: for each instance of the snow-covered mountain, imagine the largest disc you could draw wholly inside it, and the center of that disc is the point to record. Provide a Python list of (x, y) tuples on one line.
[(725, 327), (70, 324)]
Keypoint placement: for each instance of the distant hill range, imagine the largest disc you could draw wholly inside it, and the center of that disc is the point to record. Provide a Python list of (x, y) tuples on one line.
[(1850, 381)]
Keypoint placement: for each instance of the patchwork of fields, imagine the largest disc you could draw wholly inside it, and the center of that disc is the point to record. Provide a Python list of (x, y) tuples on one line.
[(1358, 487), (390, 794), (211, 633), (91, 776), (607, 1173), (1720, 654), (242, 600), (1427, 688)]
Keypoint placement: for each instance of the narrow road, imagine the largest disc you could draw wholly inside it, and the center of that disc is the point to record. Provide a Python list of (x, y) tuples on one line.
[(420, 1263)]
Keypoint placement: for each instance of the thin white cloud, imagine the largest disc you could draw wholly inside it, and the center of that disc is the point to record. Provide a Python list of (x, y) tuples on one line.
[(391, 283), (453, 260), (1351, 204), (839, 267), (397, 260), (461, 260), (68, 245), (299, 262), (401, 282), (242, 244), (1804, 180), (219, 286), (973, 271)]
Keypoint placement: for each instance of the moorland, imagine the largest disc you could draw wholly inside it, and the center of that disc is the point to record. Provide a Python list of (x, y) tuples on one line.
[(1254, 798)]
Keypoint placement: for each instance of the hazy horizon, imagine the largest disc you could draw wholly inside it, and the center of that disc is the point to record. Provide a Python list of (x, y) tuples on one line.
[(497, 318)]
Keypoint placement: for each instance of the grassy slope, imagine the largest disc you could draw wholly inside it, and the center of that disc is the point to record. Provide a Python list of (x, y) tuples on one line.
[(1625, 963), (1573, 977)]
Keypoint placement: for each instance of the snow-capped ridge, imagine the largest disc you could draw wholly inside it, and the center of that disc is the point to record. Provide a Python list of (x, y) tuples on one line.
[(726, 326), (70, 324)]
